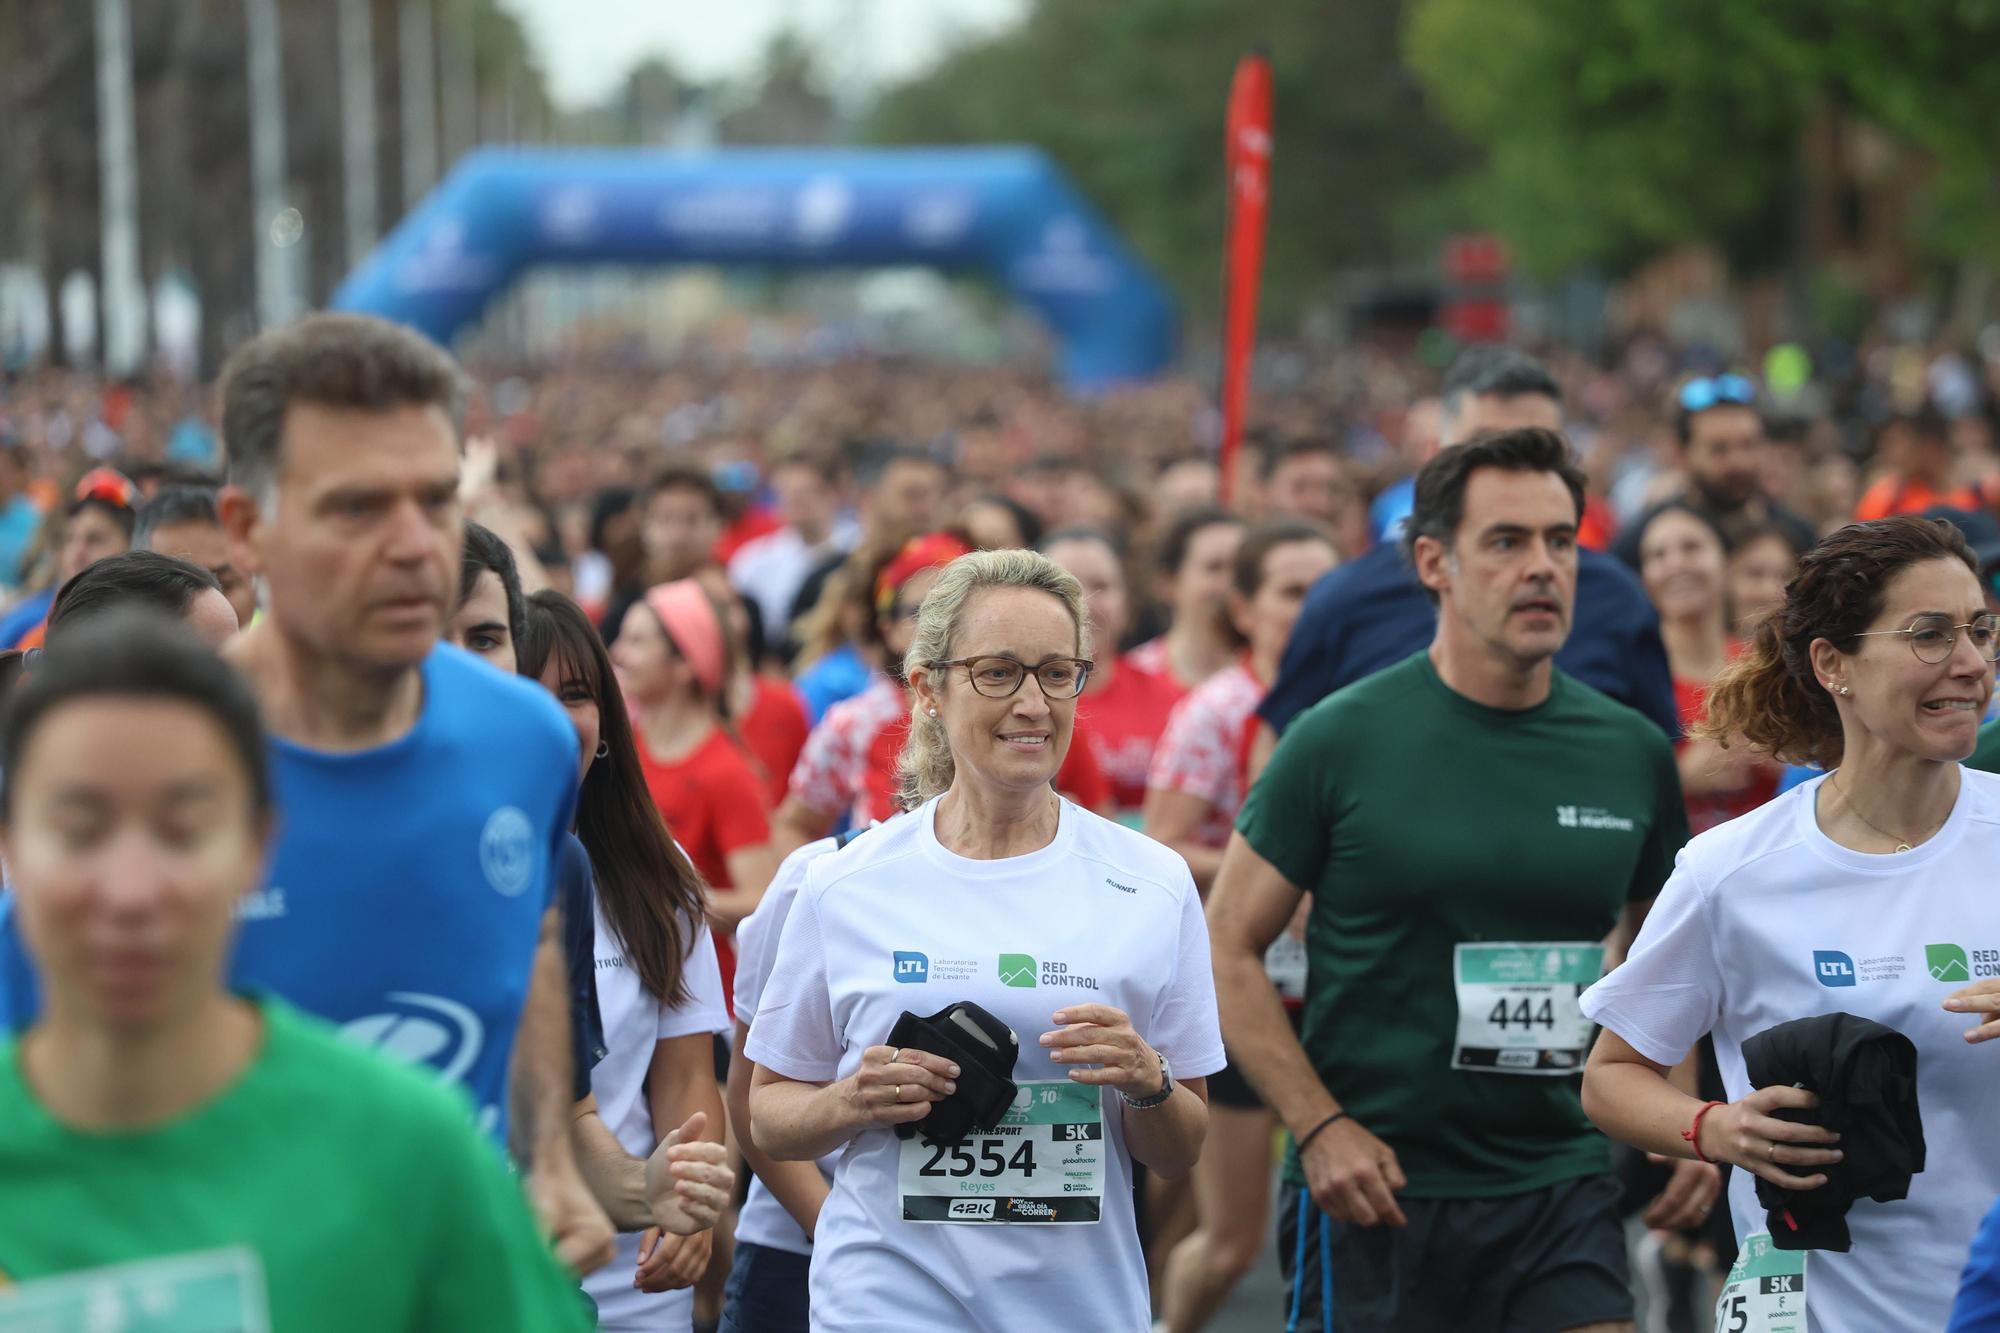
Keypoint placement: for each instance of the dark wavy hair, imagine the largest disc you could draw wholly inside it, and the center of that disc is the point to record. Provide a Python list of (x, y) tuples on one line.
[(1770, 695), (651, 894)]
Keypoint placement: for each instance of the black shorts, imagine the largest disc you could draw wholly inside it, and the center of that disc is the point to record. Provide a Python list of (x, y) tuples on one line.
[(1229, 1088), (1539, 1262)]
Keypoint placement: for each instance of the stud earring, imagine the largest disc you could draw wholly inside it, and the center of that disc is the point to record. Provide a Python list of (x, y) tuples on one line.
[(1845, 690), (933, 712)]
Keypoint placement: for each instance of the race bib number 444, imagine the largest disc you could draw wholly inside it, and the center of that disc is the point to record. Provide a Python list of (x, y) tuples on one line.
[(1517, 1006), (1766, 1290), (1044, 1162)]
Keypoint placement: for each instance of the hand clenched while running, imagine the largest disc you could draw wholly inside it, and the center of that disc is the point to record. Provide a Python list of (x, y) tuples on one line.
[(688, 1179), (1097, 1034), (896, 1085), (1748, 1135), (1354, 1176)]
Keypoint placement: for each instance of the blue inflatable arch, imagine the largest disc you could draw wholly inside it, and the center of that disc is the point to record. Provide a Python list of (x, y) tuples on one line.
[(1005, 211)]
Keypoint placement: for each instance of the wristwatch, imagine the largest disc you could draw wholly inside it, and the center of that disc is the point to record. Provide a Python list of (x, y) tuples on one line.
[(1159, 1098)]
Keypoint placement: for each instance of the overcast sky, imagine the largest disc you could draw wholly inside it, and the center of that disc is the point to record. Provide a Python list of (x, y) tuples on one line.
[(586, 46)]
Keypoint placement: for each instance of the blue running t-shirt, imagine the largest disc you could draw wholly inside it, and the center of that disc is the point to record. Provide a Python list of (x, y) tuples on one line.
[(408, 882)]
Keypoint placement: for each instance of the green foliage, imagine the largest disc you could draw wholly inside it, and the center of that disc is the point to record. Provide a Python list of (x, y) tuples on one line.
[(1615, 127), (1128, 96)]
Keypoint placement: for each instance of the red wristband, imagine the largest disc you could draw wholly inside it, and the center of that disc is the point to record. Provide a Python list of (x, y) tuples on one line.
[(1693, 1132)]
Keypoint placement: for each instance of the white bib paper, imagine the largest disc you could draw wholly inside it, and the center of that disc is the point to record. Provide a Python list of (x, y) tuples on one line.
[(1765, 1291), (1044, 1162), (1517, 1006)]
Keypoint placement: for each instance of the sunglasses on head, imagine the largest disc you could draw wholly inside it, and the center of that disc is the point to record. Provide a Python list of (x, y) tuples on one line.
[(1712, 390)]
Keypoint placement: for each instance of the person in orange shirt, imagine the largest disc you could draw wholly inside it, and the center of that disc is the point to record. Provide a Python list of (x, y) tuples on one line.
[(1916, 451)]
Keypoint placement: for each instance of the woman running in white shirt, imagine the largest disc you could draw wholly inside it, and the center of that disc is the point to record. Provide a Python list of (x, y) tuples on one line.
[(1867, 891), (659, 990), (1083, 937)]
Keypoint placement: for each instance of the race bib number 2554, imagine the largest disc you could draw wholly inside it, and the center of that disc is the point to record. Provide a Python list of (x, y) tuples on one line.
[(1044, 1162)]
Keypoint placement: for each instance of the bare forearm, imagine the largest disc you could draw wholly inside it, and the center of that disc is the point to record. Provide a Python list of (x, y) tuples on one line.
[(800, 1122), (1261, 1042), (617, 1178), (1637, 1105), (1168, 1138), (794, 825), (798, 1186), (1202, 862), (539, 1086)]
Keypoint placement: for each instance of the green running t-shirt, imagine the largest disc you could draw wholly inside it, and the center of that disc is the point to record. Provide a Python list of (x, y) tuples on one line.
[(1986, 757), (1422, 821), (325, 1189)]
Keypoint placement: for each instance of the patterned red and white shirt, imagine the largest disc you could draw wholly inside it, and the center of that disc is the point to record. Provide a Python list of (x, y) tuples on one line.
[(1200, 752), (843, 766)]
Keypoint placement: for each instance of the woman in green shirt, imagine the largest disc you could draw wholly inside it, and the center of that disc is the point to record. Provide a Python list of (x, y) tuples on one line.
[(183, 1156)]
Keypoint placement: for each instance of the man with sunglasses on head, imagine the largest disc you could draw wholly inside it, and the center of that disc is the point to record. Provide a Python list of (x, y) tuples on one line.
[(1721, 432)]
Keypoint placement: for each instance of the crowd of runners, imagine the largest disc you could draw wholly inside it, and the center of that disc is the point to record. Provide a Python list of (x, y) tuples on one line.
[(887, 847)]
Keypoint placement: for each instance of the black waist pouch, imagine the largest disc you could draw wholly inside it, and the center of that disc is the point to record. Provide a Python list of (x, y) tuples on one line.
[(983, 1048)]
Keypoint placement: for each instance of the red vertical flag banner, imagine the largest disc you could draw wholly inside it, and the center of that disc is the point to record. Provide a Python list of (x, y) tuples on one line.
[(1248, 160)]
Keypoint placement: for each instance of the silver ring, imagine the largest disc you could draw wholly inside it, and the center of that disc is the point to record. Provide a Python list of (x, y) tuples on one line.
[(896, 1058)]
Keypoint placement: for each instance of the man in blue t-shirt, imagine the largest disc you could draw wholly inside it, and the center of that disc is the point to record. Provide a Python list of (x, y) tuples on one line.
[(425, 798), (1371, 612)]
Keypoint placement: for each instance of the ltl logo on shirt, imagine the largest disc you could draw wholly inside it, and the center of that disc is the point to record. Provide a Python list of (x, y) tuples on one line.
[(1833, 968), (911, 967)]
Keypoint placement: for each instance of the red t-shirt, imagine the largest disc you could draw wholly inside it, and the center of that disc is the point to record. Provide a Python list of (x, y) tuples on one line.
[(774, 733), (1122, 722), (753, 524), (1706, 811), (713, 804)]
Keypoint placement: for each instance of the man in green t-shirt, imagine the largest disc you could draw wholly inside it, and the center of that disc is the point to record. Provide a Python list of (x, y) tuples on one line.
[(1478, 832), (1986, 756)]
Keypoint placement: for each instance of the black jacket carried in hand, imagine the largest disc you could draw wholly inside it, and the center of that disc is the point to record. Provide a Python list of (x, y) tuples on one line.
[(1865, 1075)]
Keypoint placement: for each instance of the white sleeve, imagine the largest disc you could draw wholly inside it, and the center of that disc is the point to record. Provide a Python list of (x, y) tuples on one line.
[(1186, 1028), (1668, 992), (757, 938), (703, 1010), (793, 1033)]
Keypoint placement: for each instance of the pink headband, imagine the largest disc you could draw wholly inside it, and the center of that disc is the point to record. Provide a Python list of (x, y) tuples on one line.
[(689, 618)]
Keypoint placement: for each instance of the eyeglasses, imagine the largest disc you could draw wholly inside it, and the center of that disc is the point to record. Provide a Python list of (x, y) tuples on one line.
[(1933, 637), (999, 677), (1702, 394)]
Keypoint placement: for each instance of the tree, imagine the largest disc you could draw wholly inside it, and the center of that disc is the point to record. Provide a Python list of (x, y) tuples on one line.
[(1128, 97), (1613, 128)]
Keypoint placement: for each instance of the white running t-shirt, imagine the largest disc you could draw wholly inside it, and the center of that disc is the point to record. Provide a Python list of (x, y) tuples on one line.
[(895, 922), (1765, 920), (634, 1024), (763, 1220)]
